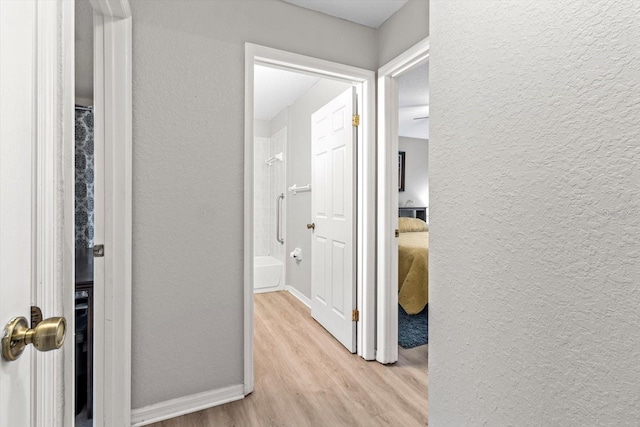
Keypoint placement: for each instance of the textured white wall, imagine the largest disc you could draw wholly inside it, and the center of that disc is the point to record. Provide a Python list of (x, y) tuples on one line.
[(402, 30), (416, 174), (299, 172), (535, 217), (188, 110)]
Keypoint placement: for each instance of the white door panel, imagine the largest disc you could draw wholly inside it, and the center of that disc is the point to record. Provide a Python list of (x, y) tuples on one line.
[(17, 121), (333, 284)]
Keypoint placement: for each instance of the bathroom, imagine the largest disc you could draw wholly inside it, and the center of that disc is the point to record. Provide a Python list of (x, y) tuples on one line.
[(284, 103)]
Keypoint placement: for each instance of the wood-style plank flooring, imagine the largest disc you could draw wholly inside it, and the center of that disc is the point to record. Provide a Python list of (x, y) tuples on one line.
[(304, 377)]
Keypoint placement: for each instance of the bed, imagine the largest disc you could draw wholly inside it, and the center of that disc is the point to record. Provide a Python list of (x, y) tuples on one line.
[(413, 265)]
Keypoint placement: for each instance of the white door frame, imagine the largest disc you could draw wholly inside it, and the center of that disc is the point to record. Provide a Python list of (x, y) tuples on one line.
[(387, 250), (112, 274), (364, 80)]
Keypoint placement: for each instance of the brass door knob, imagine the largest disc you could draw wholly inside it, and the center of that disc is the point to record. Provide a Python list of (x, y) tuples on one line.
[(48, 335), (311, 226)]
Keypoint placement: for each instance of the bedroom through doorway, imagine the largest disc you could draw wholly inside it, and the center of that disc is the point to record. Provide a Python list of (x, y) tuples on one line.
[(403, 205), (413, 208)]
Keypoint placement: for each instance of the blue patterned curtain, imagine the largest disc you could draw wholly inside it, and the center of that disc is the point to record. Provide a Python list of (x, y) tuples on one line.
[(84, 179)]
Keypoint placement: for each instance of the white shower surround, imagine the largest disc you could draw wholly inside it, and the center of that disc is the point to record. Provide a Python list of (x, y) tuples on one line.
[(269, 183), (268, 274), (277, 186), (262, 211)]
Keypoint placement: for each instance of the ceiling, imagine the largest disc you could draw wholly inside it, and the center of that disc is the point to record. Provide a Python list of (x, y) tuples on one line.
[(371, 13), (413, 85), (275, 89), (413, 102)]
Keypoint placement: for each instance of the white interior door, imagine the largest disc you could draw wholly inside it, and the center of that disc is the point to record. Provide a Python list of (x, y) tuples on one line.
[(333, 281), (17, 179), (29, 246)]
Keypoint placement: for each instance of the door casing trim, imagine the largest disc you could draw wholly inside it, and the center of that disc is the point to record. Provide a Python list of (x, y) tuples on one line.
[(387, 247), (113, 135), (112, 274)]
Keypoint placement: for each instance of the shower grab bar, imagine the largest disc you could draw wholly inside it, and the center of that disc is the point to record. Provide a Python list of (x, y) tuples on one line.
[(279, 218), (302, 189)]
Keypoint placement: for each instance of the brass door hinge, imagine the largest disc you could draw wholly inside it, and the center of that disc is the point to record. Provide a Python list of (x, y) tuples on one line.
[(355, 316), (355, 120)]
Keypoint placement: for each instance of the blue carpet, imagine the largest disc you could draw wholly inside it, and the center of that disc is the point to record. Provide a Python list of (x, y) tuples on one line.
[(413, 329)]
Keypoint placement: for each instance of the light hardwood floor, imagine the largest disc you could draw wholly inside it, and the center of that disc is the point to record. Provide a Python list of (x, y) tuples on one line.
[(304, 377)]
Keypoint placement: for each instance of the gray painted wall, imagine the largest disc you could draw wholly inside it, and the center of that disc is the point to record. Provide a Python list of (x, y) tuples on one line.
[(83, 52), (261, 129), (535, 190), (188, 110), (299, 172), (416, 171), (279, 121), (405, 28)]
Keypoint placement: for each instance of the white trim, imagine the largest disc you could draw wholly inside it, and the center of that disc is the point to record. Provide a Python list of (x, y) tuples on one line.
[(364, 80), (54, 136), (270, 289), (113, 202), (299, 295), (248, 220), (54, 291), (68, 173), (113, 8), (387, 274), (185, 405)]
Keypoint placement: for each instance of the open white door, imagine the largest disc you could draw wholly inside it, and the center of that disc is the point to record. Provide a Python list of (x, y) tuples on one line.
[(333, 279), (17, 67), (30, 270)]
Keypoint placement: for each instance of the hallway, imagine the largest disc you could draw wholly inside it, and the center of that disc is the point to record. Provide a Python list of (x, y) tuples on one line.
[(304, 377)]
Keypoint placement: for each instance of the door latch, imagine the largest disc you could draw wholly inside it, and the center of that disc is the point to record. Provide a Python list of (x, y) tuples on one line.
[(98, 251)]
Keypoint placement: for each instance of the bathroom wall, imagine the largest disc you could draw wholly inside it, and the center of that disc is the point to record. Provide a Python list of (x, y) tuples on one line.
[(261, 197), (261, 128), (269, 183), (298, 274), (277, 187)]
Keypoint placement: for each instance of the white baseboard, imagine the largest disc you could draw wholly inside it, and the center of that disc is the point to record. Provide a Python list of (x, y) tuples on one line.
[(273, 289), (296, 293), (185, 405)]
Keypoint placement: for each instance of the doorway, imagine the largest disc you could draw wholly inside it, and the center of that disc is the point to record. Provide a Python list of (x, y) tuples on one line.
[(103, 258), (363, 82), (413, 208), (293, 191), (84, 202), (412, 64)]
